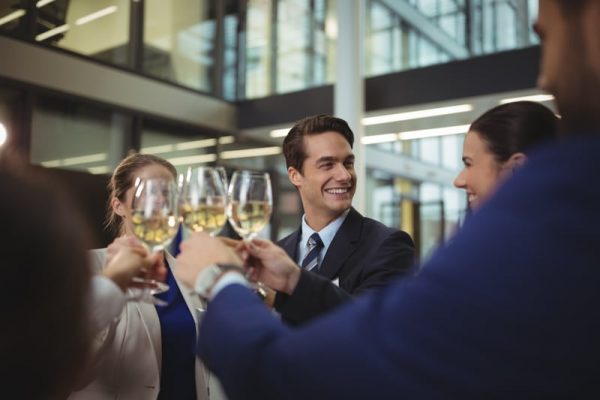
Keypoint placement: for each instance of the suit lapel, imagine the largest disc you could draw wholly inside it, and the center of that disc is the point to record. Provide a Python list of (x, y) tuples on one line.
[(343, 245), (290, 244)]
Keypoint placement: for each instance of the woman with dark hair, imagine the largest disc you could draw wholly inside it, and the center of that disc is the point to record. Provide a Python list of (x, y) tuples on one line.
[(45, 338), (498, 143), (147, 351)]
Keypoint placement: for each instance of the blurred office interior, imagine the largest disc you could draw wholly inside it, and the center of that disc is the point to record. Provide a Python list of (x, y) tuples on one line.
[(219, 82)]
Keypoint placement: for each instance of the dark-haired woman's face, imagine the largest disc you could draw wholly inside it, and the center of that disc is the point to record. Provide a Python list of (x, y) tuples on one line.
[(481, 173), (124, 208)]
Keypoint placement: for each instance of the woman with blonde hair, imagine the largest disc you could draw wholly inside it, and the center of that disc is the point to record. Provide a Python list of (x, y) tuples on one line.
[(147, 351)]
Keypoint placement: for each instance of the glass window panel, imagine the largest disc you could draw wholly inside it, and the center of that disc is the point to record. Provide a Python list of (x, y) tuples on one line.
[(98, 29), (430, 150), (76, 136), (452, 151), (182, 146), (230, 59), (258, 46), (179, 41), (430, 218), (454, 206)]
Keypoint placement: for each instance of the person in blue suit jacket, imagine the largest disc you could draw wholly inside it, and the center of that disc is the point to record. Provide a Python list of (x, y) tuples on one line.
[(508, 310)]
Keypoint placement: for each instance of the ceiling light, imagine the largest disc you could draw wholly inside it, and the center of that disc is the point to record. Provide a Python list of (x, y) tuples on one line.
[(383, 138), (279, 132), (256, 152), (51, 163), (426, 133), (95, 15), (226, 139), (52, 32), (196, 144), (405, 116), (103, 169), (70, 161), (3, 134), (190, 160), (536, 97), (165, 148), (42, 3), (12, 16), (66, 162)]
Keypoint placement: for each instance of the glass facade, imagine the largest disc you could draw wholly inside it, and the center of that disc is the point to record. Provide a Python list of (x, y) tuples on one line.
[(179, 42), (95, 29), (255, 48), (247, 49), (76, 136)]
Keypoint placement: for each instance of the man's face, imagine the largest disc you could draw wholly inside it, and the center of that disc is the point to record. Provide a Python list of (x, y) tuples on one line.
[(570, 65), (328, 181)]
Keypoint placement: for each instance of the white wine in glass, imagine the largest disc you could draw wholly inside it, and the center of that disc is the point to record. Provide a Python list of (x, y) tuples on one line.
[(154, 219), (250, 202), (203, 200)]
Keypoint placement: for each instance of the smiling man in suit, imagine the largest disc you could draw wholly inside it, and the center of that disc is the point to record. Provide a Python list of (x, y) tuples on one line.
[(339, 252)]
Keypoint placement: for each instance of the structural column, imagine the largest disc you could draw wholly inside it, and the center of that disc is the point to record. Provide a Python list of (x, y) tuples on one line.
[(349, 83)]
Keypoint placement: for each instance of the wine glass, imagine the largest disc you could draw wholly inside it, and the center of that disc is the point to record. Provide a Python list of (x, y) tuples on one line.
[(249, 207), (203, 200), (250, 202), (223, 174), (154, 219)]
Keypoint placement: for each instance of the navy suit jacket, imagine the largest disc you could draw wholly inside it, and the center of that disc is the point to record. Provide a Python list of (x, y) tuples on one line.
[(364, 254), (509, 310)]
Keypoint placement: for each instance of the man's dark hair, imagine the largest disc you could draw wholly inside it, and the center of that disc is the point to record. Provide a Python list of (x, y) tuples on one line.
[(570, 6), (293, 144)]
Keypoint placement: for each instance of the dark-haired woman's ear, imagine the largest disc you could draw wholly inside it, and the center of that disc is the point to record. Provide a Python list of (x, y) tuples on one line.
[(515, 161)]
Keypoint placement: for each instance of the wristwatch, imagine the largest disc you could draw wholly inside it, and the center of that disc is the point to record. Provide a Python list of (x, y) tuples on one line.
[(210, 275)]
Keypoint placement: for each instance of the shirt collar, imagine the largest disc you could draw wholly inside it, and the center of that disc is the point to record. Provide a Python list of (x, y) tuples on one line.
[(327, 233)]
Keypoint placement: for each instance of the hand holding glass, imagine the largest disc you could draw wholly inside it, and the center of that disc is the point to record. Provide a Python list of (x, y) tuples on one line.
[(155, 219)]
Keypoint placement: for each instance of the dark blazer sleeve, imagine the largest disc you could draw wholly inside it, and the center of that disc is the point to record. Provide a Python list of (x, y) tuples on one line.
[(314, 295), (384, 254), (394, 257)]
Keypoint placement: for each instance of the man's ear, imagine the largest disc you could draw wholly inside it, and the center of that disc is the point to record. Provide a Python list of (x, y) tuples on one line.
[(516, 161), (295, 176), (117, 207)]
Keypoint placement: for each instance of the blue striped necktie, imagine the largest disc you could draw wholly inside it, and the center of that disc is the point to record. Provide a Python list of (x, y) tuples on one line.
[(311, 260)]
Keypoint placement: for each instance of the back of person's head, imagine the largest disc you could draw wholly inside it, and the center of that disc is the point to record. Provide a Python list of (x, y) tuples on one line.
[(44, 337), (571, 6), (293, 144), (515, 128), (123, 178)]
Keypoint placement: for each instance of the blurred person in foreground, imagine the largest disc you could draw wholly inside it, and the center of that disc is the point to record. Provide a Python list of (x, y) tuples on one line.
[(51, 308), (497, 144), (45, 334), (486, 317)]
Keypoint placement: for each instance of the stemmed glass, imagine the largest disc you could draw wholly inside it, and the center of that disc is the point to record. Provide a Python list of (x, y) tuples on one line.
[(250, 202), (249, 207), (223, 175), (154, 219), (203, 200)]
